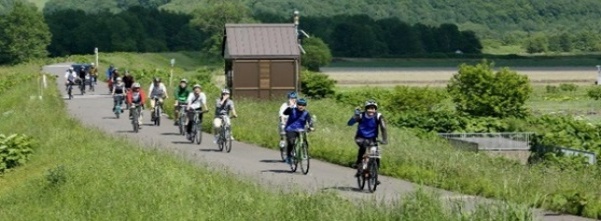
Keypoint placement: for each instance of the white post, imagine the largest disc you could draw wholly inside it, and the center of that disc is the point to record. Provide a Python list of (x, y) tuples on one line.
[(598, 74), (171, 73), (96, 53)]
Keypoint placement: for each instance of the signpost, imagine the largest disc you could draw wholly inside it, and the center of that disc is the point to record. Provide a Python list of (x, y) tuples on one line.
[(171, 74), (96, 53), (598, 74)]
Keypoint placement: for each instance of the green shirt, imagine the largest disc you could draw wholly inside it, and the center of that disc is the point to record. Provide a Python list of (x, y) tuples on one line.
[(182, 93)]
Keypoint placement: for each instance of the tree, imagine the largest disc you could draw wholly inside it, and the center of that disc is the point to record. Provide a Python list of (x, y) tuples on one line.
[(24, 35), (536, 44), (478, 91), (318, 54), (212, 20)]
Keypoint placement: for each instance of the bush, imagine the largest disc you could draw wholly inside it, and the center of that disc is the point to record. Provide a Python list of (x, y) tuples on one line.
[(318, 54), (317, 85), (552, 89), (396, 100), (594, 93), (477, 91), (568, 87), (14, 151)]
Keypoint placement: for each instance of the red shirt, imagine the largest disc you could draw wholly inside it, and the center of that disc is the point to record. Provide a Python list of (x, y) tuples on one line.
[(129, 97)]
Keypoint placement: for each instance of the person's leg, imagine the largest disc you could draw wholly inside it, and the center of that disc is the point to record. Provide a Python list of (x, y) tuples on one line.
[(290, 138), (361, 151), (176, 112), (281, 126), (190, 115), (152, 103), (216, 127), (228, 124)]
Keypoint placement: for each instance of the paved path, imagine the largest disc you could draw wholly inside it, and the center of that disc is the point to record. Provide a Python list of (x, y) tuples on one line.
[(260, 164)]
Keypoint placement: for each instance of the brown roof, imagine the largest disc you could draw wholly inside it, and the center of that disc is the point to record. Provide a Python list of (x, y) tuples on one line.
[(260, 41)]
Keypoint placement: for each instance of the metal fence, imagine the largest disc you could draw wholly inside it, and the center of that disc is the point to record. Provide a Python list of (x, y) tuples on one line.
[(519, 141)]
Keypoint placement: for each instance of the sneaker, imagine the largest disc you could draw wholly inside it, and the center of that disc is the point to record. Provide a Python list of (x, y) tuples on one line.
[(175, 123), (357, 174), (282, 144), (288, 160), (377, 182)]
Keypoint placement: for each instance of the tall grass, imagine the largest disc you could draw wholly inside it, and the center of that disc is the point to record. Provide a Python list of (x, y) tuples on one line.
[(78, 173)]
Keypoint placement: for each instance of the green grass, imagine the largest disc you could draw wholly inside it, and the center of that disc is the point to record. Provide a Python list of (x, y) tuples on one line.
[(569, 102), (79, 173)]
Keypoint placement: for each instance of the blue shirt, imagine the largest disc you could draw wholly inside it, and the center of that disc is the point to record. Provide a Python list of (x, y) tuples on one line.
[(297, 119), (368, 127)]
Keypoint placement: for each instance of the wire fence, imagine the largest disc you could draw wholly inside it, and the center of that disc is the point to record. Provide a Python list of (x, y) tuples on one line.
[(519, 141)]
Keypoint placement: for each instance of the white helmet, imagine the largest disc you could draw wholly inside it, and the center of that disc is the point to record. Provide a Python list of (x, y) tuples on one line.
[(92, 63), (225, 91), (71, 68), (136, 85), (197, 86), (118, 78)]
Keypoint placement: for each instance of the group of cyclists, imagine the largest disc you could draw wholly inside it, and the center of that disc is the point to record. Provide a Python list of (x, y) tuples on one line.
[(83, 74), (194, 99), (293, 114)]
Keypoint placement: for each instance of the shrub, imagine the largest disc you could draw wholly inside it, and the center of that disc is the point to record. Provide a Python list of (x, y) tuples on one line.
[(317, 85), (397, 100), (568, 87), (594, 93), (478, 91), (552, 89), (14, 150), (318, 54)]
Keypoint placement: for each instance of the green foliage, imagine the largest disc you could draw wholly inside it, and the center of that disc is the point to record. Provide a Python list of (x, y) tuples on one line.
[(477, 91), (594, 93), (552, 89), (24, 35), (317, 85), (56, 176), (568, 87), (318, 54), (15, 150), (398, 100)]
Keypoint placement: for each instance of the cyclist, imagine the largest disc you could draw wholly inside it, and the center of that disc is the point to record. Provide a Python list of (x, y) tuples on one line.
[(93, 74), (181, 94), (118, 93), (283, 118), (367, 130), (82, 77), (157, 89), (128, 79), (223, 107), (135, 96), (298, 117), (196, 101), (70, 77)]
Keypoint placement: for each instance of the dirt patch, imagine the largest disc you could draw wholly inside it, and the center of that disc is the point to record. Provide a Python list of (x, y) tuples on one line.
[(440, 76)]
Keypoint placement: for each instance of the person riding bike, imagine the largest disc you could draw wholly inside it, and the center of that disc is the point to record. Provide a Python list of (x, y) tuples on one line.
[(118, 93), (128, 80), (223, 106), (282, 118), (298, 117), (93, 74), (181, 94), (135, 96), (82, 77), (157, 89), (197, 101), (70, 77), (369, 121)]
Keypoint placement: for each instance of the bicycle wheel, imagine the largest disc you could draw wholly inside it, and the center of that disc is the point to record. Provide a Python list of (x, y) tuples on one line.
[(283, 152), (221, 139), (157, 117), (372, 181), (227, 140), (198, 134), (304, 157), (361, 179), (135, 121), (181, 122), (117, 110), (293, 158)]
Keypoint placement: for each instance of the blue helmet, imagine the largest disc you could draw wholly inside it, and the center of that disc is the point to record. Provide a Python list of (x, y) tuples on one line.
[(292, 95), (301, 102)]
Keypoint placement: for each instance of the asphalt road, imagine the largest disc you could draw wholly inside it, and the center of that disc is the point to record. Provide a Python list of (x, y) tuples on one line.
[(246, 160)]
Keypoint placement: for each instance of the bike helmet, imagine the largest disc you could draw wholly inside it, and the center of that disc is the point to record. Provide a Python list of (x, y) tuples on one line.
[(118, 78), (225, 91), (197, 86), (70, 68), (371, 103), (156, 79), (301, 102), (292, 95), (183, 80), (136, 85)]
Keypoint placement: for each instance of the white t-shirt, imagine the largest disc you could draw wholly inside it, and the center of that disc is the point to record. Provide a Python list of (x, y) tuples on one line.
[(161, 90), (70, 75), (282, 109), (195, 102)]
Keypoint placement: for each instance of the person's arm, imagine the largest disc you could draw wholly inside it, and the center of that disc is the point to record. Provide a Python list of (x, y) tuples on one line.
[(189, 100), (233, 108), (113, 93), (310, 121), (282, 109), (150, 90), (356, 118), (165, 90), (383, 130), (288, 111)]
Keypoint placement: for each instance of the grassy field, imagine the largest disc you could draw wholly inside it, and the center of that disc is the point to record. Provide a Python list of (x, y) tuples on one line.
[(78, 173), (523, 61)]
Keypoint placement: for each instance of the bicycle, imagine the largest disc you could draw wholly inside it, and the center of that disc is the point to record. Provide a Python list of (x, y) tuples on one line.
[(181, 118), (135, 120), (224, 140), (82, 86), (196, 131), (118, 98), (70, 90), (300, 152), (156, 116), (368, 170), (90, 82)]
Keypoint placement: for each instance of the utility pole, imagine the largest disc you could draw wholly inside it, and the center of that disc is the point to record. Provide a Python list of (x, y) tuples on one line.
[(96, 53), (297, 63), (598, 74), (171, 72)]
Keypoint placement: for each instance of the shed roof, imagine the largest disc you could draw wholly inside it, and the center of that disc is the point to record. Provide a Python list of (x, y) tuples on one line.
[(260, 41)]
